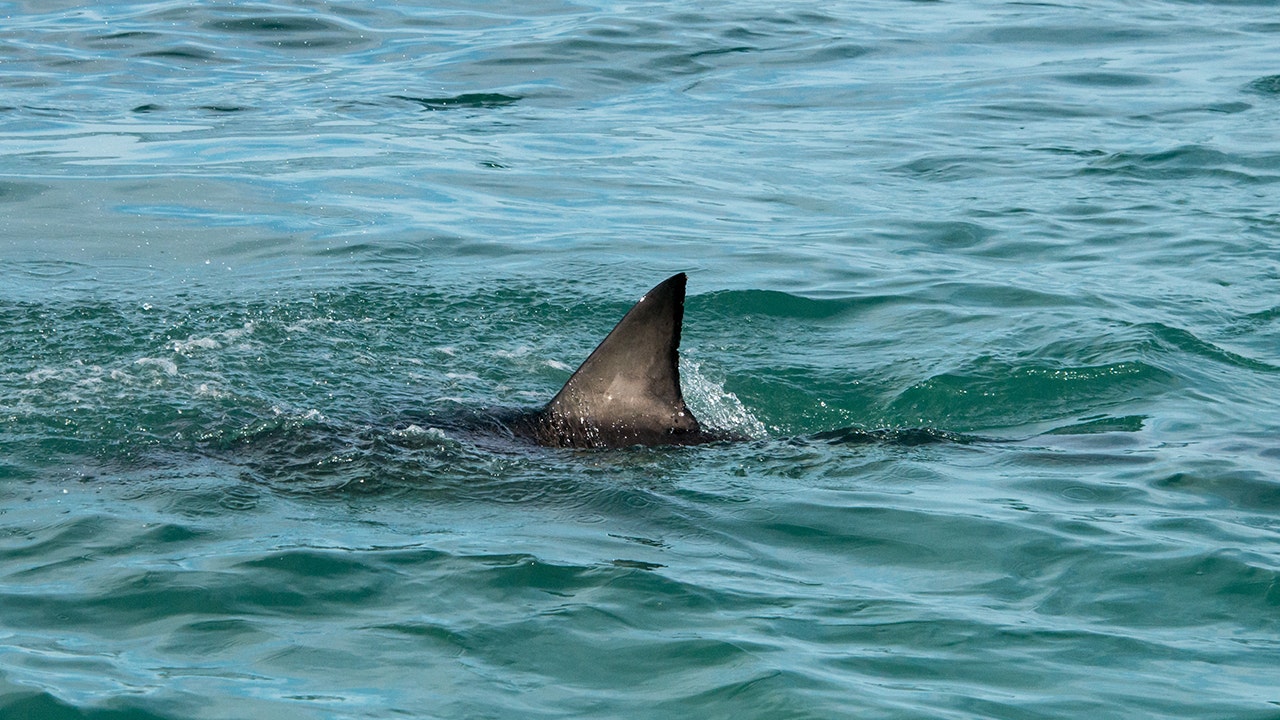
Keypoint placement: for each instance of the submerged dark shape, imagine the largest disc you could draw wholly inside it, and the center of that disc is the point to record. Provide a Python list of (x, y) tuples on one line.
[(627, 392)]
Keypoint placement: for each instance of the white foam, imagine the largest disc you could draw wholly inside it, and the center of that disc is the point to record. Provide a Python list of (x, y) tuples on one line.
[(246, 329), (185, 347), (305, 325), (40, 375), (426, 438), (205, 390), (166, 366)]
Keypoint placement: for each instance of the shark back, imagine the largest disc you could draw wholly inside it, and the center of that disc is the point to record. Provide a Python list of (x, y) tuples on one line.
[(627, 392)]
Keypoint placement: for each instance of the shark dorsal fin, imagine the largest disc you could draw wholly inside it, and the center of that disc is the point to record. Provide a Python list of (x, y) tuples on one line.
[(627, 392)]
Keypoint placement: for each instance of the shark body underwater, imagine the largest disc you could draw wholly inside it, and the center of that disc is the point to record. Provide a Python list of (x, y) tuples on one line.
[(627, 392)]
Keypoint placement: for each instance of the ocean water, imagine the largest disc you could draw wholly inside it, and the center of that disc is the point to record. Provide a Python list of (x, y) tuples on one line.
[(991, 287)]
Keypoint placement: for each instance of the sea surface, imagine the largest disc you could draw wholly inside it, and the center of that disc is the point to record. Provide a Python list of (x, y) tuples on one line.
[(991, 289)]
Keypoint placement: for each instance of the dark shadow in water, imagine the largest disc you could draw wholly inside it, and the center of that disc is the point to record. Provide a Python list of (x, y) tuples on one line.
[(1269, 85), (903, 437), (463, 449), (464, 101)]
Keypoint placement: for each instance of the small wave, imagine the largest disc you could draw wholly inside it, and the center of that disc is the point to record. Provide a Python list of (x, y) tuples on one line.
[(739, 303), (295, 32), (992, 393), (1189, 161)]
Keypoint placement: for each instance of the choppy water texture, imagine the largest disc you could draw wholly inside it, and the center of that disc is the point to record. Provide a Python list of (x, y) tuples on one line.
[(258, 259)]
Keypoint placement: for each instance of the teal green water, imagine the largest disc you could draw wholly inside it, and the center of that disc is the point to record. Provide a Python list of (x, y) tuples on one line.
[(258, 260)]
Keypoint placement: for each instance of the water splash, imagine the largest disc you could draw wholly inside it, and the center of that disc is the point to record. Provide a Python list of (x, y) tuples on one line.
[(717, 408)]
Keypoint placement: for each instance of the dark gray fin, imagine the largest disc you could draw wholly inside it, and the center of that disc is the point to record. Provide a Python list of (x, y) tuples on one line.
[(627, 392)]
